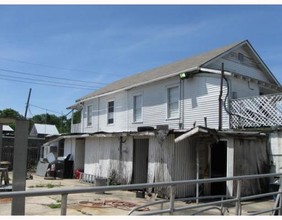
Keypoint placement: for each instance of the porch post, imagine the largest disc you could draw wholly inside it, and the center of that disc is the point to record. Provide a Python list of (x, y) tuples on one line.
[(198, 175), (230, 166), (1, 135)]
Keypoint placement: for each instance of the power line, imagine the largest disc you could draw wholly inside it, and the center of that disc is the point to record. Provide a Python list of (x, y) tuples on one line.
[(46, 65), (52, 77), (45, 84), (46, 81), (45, 109)]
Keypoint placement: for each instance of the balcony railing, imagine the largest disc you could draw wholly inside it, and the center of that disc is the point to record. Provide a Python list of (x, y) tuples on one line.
[(256, 112)]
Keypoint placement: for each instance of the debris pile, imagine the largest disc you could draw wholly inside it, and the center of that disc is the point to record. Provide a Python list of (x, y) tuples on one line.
[(119, 204)]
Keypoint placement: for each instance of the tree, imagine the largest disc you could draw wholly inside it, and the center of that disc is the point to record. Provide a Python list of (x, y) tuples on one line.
[(10, 113)]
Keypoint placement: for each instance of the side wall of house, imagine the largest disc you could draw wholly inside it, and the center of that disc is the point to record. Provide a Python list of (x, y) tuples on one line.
[(99, 121), (201, 101)]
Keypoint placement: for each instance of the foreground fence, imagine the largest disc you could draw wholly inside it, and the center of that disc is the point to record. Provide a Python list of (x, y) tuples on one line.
[(202, 207)]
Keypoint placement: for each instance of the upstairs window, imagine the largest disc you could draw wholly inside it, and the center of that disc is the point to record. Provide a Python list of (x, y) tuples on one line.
[(137, 108), (173, 102), (111, 110), (89, 115)]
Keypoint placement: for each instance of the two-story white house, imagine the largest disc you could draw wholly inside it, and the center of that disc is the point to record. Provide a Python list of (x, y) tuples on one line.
[(180, 121)]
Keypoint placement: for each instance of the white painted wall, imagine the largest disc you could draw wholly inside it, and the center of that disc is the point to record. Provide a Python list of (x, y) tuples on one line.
[(103, 156), (276, 151)]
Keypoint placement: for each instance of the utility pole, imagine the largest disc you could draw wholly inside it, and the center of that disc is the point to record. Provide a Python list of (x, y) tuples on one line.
[(27, 104)]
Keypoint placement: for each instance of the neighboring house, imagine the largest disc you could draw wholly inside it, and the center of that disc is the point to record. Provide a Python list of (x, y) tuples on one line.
[(180, 121), (42, 130)]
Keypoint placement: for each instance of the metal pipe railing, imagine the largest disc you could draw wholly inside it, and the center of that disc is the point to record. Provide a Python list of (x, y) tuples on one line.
[(64, 192)]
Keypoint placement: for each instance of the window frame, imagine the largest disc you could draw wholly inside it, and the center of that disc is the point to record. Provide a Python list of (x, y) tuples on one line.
[(112, 112), (89, 115), (134, 108), (169, 115)]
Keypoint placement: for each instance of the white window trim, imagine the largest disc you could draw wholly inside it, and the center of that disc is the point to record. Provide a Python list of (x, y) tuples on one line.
[(167, 104), (142, 101), (87, 116), (114, 113)]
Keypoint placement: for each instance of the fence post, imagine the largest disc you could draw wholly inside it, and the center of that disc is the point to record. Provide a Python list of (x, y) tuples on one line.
[(280, 197), (238, 197), (64, 204), (172, 197)]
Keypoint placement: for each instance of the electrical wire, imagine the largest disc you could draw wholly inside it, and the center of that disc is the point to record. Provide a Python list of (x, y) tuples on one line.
[(48, 66), (51, 77), (28, 82), (47, 81)]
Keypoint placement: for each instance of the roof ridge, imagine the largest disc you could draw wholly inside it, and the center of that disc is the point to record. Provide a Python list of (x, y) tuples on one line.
[(163, 70)]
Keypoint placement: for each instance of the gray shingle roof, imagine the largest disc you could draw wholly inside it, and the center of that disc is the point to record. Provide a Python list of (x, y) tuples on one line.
[(159, 72)]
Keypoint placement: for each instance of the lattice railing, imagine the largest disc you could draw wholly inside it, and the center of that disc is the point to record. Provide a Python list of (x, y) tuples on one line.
[(254, 112)]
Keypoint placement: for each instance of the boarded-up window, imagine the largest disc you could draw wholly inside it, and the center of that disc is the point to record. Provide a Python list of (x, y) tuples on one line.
[(137, 108), (111, 109), (173, 102)]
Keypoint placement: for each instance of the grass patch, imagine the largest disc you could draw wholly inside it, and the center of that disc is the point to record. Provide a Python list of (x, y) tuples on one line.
[(49, 185), (54, 205)]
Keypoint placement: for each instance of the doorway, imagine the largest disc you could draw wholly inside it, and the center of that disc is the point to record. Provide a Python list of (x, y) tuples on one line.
[(140, 160), (218, 158)]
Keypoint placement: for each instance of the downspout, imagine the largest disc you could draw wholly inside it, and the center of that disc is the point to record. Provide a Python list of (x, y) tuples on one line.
[(220, 99)]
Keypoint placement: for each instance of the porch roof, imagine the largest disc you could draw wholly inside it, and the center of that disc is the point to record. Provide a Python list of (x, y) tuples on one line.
[(199, 130)]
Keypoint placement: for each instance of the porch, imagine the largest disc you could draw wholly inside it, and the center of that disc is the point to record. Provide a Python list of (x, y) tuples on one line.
[(256, 112)]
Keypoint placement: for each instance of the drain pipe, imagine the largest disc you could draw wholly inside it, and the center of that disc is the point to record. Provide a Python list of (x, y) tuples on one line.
[(220, 99)]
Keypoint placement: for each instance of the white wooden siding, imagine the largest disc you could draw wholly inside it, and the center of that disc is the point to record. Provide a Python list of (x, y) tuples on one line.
[(69, 146), (104, 156), (243, 88), (201, 100), (231, 63), (276, 151), (154, 104)]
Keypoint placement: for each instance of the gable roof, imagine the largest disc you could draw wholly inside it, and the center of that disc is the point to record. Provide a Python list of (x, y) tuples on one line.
[(44, 129), (187, 65)]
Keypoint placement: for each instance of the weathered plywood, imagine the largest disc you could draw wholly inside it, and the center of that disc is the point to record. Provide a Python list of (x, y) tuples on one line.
[(251, 157)]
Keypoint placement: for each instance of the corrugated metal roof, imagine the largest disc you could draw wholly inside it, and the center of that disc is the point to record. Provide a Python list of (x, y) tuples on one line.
[(46, 129), (160, 72), (7, 128)]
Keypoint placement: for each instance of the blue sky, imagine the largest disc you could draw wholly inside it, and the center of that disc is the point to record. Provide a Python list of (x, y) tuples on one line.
[(103, 43)]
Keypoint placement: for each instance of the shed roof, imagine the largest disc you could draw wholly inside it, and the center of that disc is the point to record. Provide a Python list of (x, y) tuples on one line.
[(7, 128)]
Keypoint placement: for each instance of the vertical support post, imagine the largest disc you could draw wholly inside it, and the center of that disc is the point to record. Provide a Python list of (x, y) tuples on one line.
[(172, 197), (20, 165), (280, 197), (238, 197), (1, 135), (197, 175), (64, 204)]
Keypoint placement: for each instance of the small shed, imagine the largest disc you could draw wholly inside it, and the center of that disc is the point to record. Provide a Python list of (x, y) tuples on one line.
[(7, 130), (42, 130)]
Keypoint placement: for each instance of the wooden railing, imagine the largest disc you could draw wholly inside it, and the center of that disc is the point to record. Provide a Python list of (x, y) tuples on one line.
[(256, 112)]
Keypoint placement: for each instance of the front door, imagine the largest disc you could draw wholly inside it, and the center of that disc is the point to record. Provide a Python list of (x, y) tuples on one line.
[(140, 160), (218, 166)]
